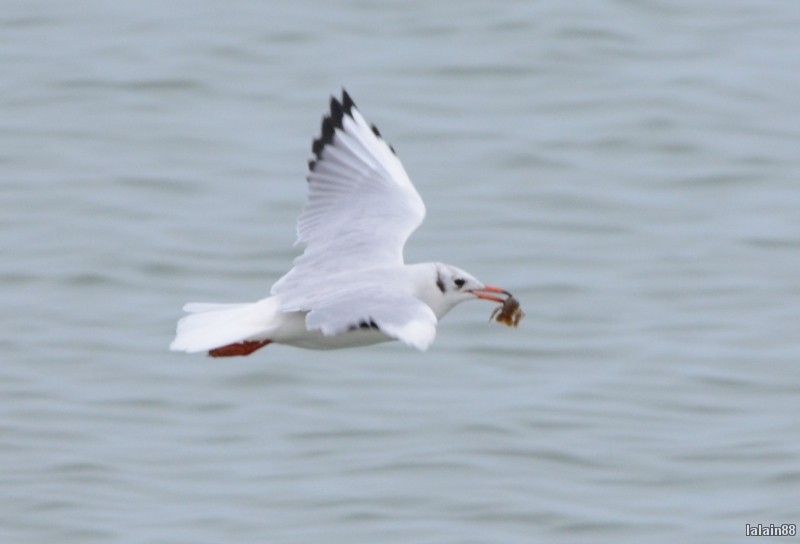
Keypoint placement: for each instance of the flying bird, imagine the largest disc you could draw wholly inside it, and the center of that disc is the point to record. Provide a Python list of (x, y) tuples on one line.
[(350, 287)]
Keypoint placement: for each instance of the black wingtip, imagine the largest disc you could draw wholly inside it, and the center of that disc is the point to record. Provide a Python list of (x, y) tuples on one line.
[(337, 113), (326, 136), (377, 133), (347, 103), (332, 121)]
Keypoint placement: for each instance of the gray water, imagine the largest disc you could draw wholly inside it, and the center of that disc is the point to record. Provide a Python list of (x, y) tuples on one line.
[(629, 169)]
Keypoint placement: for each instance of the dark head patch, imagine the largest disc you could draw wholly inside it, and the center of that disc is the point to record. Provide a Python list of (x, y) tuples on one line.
[(439, 282)]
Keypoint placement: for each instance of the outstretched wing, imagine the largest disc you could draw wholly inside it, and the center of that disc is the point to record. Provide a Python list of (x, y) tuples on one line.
[(361, 205), (393, 311)]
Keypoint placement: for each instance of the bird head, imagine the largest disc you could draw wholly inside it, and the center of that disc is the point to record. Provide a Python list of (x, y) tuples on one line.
[(455, 286)]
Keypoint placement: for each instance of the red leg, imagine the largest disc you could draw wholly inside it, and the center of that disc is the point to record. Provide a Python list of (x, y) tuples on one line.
[(242, 348)]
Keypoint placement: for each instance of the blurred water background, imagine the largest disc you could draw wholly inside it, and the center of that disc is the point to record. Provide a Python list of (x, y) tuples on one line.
[(629, 169)]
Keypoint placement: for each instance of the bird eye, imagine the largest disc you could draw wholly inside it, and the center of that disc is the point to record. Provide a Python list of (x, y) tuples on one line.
[(460, 282)]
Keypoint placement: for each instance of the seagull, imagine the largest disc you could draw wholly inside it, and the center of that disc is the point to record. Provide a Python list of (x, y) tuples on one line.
[(350, 287)]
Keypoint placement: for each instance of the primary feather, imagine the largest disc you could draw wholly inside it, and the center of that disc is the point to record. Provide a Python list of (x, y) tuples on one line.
[(362, 207)]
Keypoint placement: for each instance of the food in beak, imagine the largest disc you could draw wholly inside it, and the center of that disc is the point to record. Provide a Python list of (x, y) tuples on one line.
[(509, 313)]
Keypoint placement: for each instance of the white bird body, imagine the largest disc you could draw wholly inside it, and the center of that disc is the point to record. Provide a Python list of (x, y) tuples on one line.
[(350, 287), (260, 321)]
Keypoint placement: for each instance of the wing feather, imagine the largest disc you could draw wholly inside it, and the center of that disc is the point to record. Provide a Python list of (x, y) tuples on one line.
[(361, 208), (394, 311)]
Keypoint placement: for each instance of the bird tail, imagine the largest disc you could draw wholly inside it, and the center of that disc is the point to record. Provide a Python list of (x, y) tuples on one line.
[(209, 326)]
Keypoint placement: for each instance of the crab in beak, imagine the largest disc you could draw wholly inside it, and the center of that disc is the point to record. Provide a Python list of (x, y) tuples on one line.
[(509, 313)]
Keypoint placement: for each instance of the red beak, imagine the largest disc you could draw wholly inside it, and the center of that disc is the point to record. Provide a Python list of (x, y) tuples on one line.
[(481, 293)]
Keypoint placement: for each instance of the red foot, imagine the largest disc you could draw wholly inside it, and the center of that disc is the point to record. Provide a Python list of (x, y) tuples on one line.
[(242, 348)]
